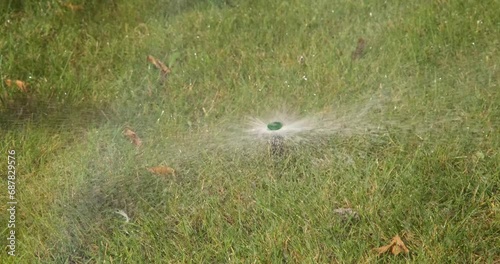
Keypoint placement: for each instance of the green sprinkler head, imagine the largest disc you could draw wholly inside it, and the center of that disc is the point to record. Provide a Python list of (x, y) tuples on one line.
[(273, 126)]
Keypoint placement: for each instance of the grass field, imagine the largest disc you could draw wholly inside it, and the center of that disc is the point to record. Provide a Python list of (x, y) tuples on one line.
[(430, 175)]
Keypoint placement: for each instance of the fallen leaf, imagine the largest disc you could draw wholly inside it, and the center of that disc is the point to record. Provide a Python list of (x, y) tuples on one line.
[(382, 250), (159, 65), (162, 170), (133, 137), (73, 7), (360, 48), (399, 247), (395, 247), (22, 86)]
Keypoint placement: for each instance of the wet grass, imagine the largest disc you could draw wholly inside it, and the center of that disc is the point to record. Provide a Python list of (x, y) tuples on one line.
[(432, 177)]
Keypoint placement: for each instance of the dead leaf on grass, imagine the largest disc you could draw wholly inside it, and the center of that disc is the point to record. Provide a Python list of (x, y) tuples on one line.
[(22, 86), (133, 137), (159, 65), (162, 170), (395, 247)]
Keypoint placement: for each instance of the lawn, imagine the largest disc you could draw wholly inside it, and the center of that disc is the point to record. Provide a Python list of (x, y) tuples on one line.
[(412, 88)]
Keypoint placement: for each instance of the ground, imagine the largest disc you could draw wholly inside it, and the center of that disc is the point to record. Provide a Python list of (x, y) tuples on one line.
[(121, 157)]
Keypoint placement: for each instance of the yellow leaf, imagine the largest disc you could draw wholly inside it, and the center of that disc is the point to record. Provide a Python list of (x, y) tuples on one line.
[(162, 170), (395, 247), (133, 137)]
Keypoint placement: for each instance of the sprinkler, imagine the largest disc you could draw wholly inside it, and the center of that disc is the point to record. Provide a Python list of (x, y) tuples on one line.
[(277, 141), (273, 126)]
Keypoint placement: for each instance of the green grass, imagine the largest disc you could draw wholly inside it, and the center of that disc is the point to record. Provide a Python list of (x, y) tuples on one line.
[(433, 177)]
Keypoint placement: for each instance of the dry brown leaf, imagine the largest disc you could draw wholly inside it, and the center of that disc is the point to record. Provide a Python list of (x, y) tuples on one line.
[(395, 247), (159, 65), (73, 7), (162, 170), (22, 86), (399, 247), (382, 250), (133, 137)]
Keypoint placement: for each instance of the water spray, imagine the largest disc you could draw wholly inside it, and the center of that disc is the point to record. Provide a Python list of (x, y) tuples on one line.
[(282, 132), (277, 141)]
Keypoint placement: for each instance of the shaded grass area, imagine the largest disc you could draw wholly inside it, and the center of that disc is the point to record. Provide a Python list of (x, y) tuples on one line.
[(432, 178)]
